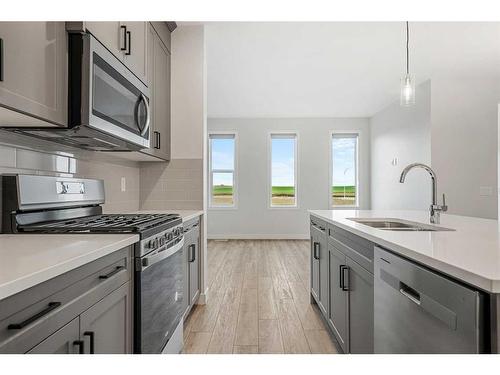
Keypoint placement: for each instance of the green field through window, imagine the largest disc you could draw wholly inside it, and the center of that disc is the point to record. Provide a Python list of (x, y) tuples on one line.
[(344, 195)]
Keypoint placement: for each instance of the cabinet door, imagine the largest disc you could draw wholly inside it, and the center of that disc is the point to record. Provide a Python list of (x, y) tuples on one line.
[(110, 35), (314, 266), (360, 309), (63, 341), (194, 268), (339, 308), (35, 71), (106, 326), (161, 98), (135, 56), (324, 279)]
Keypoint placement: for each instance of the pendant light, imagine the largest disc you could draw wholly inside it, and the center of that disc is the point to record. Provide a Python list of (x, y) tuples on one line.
[(407, 83)]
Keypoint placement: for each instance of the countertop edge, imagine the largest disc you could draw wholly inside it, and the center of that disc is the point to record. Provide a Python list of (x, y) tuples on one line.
[(33, 279), (488, 285)]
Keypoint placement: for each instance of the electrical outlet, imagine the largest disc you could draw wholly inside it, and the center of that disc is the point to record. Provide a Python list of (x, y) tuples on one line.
[(123, 184), (485, 191)]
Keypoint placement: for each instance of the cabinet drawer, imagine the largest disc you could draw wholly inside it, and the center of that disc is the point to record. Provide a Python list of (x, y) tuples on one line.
[(37, 312), (357, 248)]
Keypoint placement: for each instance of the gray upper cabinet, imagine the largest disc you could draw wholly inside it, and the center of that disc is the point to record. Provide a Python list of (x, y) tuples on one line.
[(106, 327), (361, 309), (126, 40), (33, 74), (339, 307), (159, 84), (135, 55), (64, 341)]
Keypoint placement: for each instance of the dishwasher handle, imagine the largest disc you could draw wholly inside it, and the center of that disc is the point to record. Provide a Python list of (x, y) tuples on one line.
[(409, 293)]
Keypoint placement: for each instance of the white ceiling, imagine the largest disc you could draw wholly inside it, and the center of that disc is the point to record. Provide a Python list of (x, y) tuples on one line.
[(336, 69)]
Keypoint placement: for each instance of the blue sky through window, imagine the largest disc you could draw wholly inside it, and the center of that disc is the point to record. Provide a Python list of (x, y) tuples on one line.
[(344, 161), (222, 158), (283, 156)]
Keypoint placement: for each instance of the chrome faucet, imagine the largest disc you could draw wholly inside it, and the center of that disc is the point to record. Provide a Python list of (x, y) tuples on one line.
[(435, 209)]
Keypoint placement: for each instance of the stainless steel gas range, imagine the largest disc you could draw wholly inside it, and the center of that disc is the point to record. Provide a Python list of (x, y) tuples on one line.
[(42, 204)]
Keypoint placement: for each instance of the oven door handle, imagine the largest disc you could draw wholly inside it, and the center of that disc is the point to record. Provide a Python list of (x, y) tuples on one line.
[(148, 261)]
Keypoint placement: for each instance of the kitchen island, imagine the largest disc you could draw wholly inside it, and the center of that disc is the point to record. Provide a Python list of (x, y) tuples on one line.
[(467, 253)]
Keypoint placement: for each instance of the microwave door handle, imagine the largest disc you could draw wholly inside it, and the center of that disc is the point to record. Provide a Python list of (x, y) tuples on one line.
[(148, 115)]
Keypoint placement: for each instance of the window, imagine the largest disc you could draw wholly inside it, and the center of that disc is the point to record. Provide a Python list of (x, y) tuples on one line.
[(344, 182), (283, 171), (222, 149)]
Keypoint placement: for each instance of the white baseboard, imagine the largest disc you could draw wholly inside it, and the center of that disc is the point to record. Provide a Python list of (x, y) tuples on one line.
[(258, 236), (202, 300)]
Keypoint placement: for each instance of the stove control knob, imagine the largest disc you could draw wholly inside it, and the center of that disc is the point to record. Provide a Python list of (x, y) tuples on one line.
[(162, 241), (169, 236)]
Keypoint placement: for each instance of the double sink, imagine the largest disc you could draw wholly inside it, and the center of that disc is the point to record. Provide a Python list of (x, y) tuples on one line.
[(398, 225)]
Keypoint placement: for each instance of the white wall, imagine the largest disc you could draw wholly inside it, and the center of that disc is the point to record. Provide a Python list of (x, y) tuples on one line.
[(465, 142), (402, 133), (253, 218), (188, 92)]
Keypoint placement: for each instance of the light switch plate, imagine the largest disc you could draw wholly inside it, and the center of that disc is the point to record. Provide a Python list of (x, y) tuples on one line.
[(123, 184)]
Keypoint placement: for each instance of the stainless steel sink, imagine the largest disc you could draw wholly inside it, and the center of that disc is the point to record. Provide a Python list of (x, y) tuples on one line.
[(398, 225)]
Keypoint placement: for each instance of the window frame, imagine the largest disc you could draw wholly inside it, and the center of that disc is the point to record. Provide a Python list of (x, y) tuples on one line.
[(234, 170), (334, 133), (295, 134)]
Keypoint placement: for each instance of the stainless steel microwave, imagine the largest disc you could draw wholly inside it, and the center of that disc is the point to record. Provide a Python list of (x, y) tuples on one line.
[(108, 105)]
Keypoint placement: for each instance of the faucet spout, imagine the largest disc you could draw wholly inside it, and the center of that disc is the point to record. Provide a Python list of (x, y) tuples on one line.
[(435, 209)]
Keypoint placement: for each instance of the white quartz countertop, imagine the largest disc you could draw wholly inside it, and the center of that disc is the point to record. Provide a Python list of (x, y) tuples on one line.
[(186, 215), (470, 253), (30, 259)]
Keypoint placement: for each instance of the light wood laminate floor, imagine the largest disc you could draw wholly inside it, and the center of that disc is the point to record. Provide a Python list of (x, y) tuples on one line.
[(258, 301)]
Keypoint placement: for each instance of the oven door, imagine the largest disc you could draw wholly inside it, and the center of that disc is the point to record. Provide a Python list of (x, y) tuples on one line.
[(159, 305), (117, 102)]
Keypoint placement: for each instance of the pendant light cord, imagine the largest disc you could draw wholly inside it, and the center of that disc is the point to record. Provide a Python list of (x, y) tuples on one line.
[(407, 48)]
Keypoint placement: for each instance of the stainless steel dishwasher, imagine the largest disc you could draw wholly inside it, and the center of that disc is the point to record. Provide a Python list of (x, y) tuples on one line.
[(420, 311)]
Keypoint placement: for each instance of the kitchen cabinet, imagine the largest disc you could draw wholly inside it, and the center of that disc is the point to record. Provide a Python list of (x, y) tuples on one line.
[(95, 298), (361, 307), (64, 341), (107, 324), (126, 40), (319, 265), (348, 282), (339, 303), (192, 262), (159, 84), (33, 74)]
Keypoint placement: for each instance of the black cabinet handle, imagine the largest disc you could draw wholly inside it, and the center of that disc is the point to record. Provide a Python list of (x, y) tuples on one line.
[(192, 255), (1, 60), (50, 307), (343, 278), (112, 273), (315, 253), (80, 345), (91, 335), (159, 140), (124, 29), (129, 38)]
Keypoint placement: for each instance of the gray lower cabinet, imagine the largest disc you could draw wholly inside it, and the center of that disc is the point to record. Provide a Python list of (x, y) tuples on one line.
[(361, 308), (33, 74), (64, 341), (192, 262), (339, 303), (319, 265), (86, 310), (106, 326), (344, 272)]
